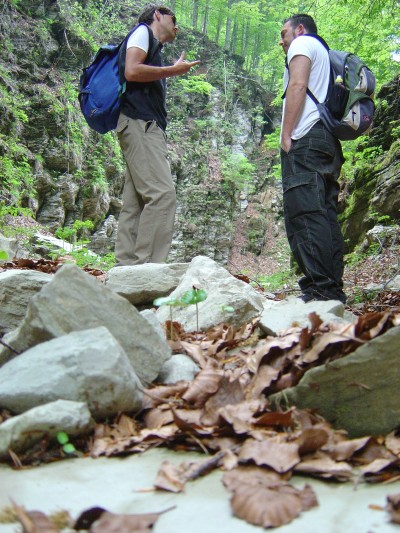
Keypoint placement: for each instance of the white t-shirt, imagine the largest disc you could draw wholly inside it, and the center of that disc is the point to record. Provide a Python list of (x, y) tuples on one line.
[(318, 82), (139, 39)]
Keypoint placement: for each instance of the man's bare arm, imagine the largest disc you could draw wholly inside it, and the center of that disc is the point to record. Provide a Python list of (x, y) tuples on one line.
[(299, 75), (137, 70)]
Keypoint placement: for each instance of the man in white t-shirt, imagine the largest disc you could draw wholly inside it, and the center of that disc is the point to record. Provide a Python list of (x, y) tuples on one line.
[(311, 160), (146, 220)]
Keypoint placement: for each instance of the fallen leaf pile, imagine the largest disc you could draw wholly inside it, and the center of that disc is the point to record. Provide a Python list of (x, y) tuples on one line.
[(224, 413), (94, 520), (47, 266)]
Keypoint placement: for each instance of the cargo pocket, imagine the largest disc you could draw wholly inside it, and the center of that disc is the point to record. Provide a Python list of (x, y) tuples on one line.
[(300, 194), (122, 124), (320, 152)]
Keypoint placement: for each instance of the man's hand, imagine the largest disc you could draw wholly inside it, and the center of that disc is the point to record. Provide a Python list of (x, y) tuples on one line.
[(286, 143), (184, 66)]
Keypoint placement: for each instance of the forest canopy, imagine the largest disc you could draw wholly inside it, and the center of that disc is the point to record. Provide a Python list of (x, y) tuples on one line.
[(250, 29)]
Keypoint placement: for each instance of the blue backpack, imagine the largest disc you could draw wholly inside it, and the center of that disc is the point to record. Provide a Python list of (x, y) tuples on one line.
[(102, 84)]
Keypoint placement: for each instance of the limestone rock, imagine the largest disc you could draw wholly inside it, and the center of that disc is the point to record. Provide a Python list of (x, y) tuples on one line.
[(75, 301), (17, 287), (21, 432), (290, 312), (141, 284), (84, 366), (222, 290), (179, 368), (358, 393)]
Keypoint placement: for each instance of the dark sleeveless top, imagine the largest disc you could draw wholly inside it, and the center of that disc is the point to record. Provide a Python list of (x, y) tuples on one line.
[(146, 101)]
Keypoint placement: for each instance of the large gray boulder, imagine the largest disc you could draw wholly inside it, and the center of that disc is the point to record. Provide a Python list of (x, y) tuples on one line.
[(359, 393), (223, 290), (17, 287), (75, 301), (141, 284), (84, 366)]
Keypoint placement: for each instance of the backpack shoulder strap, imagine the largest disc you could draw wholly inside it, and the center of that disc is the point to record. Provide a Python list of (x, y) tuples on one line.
[(153, 47), (326, 46)]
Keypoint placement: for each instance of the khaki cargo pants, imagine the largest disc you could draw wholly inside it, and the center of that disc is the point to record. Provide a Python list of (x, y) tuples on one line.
[(146, 221)]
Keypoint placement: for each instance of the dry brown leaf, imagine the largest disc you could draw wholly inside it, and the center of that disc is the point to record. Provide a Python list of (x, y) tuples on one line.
[(392, 443), (276, 453), (173, 478), (265, 375), (321, 465), (393, 507), (376, 466), (264, 500), (374, 449), (275, 419), (312, 439), (188, 421), (267, 349), (250, 475), (342, 451), (125, 523), (241, 416), (204, 385), (321, 343), (34, 521), (228, 393), (161, 393), (156, 418), (170, 477), (195, 351)]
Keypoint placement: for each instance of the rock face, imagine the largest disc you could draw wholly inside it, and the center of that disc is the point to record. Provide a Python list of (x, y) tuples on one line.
[(359, 393), (74, 301), (376, 185), (79, 174)]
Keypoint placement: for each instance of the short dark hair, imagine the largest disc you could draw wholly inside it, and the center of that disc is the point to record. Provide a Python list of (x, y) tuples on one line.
[(306, 20), (147, 14)]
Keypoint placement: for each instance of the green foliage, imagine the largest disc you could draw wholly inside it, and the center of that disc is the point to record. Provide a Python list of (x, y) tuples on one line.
[(238, 173), (278, 281), (196, 84)]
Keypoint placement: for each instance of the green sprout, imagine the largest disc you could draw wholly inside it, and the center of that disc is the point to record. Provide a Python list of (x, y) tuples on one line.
[(227, 309), (63, 440), (194, 296), (171, 302), (3, 255), (191, 297)]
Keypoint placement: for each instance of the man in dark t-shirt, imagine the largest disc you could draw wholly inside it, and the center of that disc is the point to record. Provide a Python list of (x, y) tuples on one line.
[(146, 221)]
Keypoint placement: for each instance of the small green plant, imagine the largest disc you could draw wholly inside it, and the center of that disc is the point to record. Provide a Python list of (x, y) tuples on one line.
[(63, 440), (3, 255), (171, 302), (191, 297)]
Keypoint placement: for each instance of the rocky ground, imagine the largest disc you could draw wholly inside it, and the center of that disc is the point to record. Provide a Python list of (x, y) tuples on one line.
[(361, 274)]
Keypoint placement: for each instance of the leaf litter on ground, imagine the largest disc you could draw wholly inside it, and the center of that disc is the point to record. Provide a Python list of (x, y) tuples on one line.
[(224, 413)]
